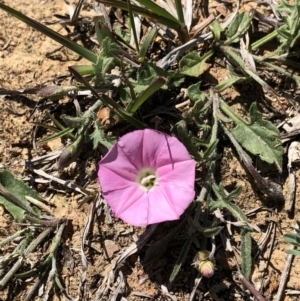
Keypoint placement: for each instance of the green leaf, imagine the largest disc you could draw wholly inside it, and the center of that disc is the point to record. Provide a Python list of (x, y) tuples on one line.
[(151, 5), (285, 6), (246, 247), (216, 29), (105, 60), (152, 11), (228, 83), (226, 202), (58, 134), (19, 190), (146, 94), (149, 39), (132, 25), (74, 122), (148, 73), (293, 252), (84, 69), (99, 138), (238, 27), (210, 151), (208, 231), (194, 65), (259, 137), (122, 34), (194, 92), (289, 33), (179, 10), (182, 256), (102, 30), (118, 109), (292, 238), (125, 94), (176, 79), (289, 36), (186, 137)]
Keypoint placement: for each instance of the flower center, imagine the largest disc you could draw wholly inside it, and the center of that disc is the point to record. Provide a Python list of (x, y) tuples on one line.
[(147, 178)]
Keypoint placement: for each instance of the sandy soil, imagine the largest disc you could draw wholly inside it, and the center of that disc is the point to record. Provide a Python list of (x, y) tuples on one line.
[(24, 63)]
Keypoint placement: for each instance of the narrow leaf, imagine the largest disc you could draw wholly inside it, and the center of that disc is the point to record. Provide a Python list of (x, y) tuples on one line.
[(293, 252), (149, 39), (156, 85), (59, 134), (179, 262), (246, 245)]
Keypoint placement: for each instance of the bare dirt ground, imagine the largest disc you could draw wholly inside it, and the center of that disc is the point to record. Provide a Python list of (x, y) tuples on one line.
[(24, 63)]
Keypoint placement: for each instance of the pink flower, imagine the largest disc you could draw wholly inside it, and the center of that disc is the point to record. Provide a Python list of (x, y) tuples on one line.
[(147, 177)]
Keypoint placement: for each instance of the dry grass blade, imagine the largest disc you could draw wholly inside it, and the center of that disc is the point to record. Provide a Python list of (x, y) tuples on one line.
[(39, 204), (188, 12), (86, 232), (165, 293), (293, 158), (285, 275), (134, 247), (196, 284), (32, 246), (166, 61), (251, 288), (89, 260), (62, 182), (44, 159), (119, 289)]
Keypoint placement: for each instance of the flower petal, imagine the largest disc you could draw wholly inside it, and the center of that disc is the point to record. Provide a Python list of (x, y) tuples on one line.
[(117, 162), (150, 148), (122, 199), (175, 172), (150, 208), (181, 173), (179, 196), (160, 149)]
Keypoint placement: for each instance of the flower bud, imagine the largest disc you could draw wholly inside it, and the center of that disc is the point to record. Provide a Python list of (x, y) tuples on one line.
[(204, 264), (207, 268), (55, 92)]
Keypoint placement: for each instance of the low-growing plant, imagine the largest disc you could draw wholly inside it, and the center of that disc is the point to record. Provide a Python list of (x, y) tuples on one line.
[(137, 83)]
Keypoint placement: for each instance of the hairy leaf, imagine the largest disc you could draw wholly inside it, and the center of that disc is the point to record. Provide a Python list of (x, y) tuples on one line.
[(181, 259), (74, 122), (99, 138), (259, 137), (193, 65), (18, 189), (206, 231), (238, 27), (226, 202), (246, 245), (194, 92)]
